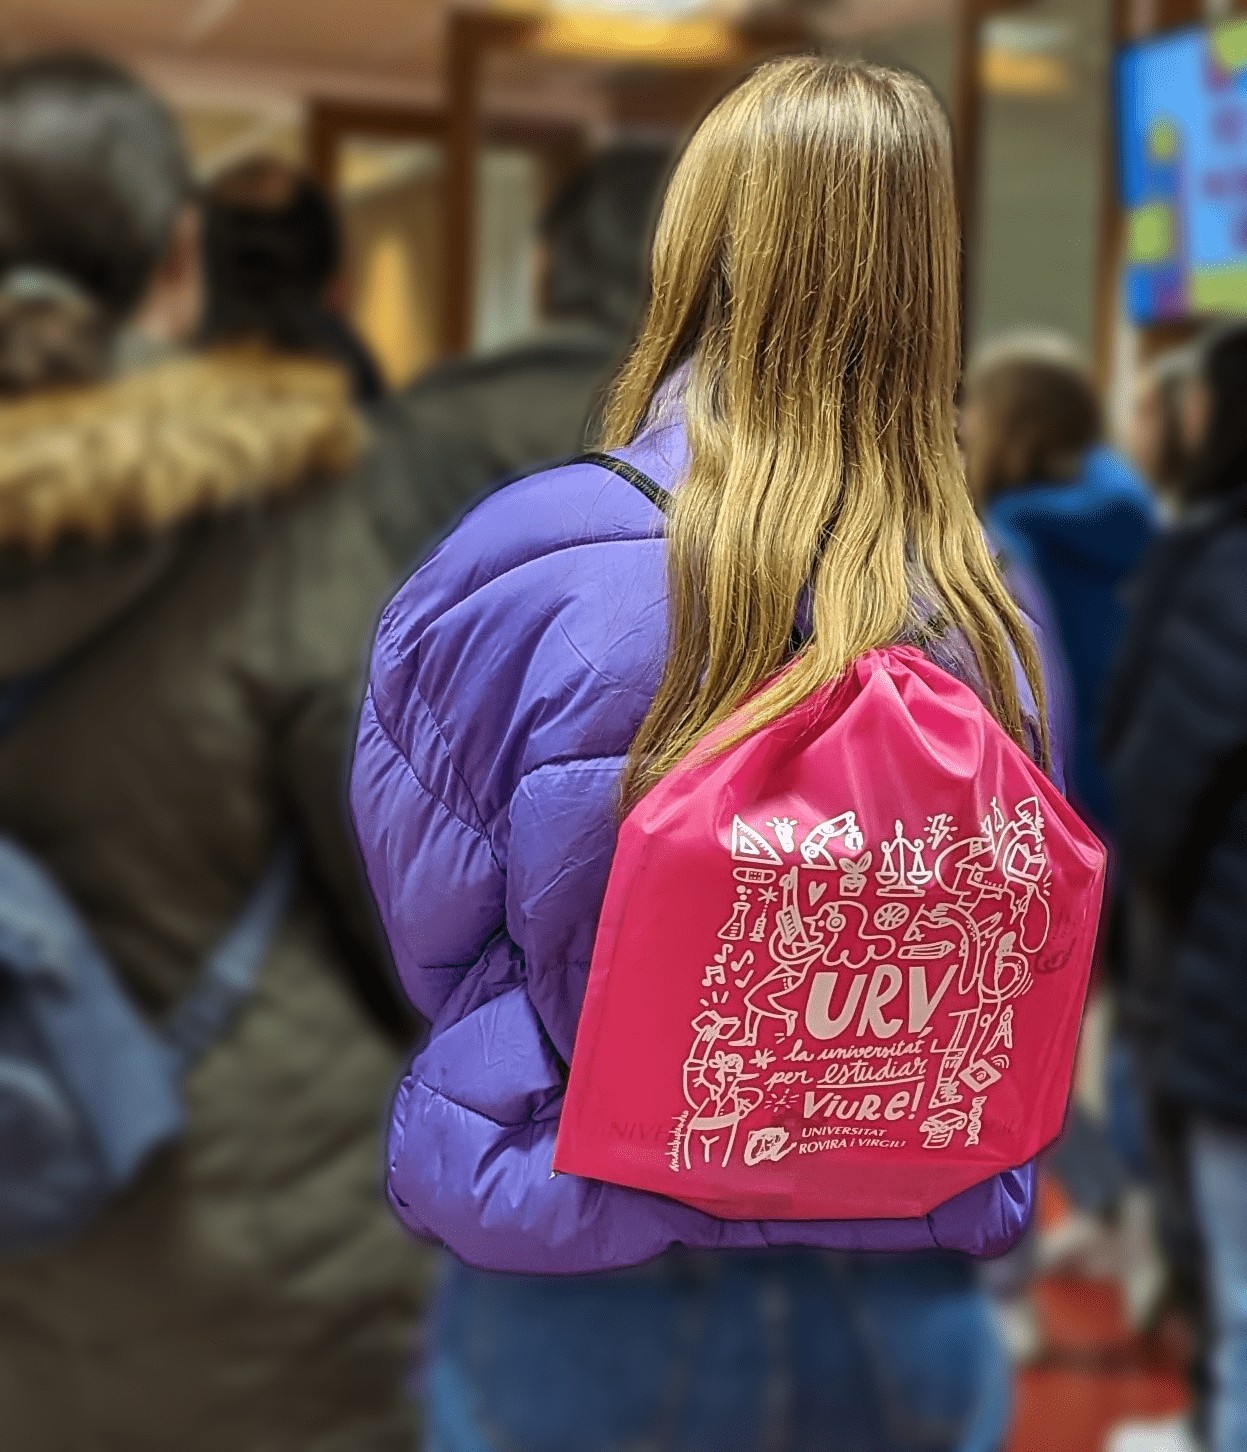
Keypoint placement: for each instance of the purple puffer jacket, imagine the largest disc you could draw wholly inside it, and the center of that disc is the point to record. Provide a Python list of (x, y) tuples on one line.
[(509, 677)]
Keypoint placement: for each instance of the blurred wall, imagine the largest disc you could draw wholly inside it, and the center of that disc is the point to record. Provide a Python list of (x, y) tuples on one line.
[(391, 210), (1047, 78), (1043, 173), (393, 222)]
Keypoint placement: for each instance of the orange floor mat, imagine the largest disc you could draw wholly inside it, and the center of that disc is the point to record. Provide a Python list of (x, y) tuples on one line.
[(1095, 1375)]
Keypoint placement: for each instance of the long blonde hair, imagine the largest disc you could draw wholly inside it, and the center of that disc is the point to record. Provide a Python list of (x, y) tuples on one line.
[(805, 270)]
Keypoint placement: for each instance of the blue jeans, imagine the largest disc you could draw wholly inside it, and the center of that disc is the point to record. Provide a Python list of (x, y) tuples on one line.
[(779, 1353), (1219, 1169), (1127, 1122)]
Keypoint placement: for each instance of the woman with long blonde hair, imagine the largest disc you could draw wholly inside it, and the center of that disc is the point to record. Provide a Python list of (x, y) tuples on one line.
[(792, 390)]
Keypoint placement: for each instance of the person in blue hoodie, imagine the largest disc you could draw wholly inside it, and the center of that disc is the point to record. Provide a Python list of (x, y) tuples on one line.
[(1071, 513), (1067, 506)]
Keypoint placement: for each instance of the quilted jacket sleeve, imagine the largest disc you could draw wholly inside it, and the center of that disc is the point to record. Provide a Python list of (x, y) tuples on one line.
[(473, 1170), (417, 835), (475, 1117)]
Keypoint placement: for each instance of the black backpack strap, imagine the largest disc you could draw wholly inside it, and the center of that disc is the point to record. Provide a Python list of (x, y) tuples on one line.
[(661, 497), (654, 492)]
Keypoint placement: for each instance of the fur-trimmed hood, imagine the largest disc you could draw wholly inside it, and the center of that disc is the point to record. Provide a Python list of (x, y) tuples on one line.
[(149, 450), (96, 481)]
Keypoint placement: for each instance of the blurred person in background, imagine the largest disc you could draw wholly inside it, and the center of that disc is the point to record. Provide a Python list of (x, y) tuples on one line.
[(1069, 506), (1072, 510), (190, 592), (1176, 737), (477, 421), (273, 261), (765, 385), (1011, 1277), (1154, 434), (1156, 444)]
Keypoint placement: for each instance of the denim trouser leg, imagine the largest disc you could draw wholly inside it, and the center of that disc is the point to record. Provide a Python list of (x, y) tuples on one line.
[(771, 1353), (1219, 1163)]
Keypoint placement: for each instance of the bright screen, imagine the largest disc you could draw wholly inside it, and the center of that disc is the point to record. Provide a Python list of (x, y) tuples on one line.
[(1183, 155)]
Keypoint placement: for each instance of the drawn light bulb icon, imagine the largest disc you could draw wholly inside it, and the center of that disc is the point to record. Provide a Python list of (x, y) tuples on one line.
[(785, 832)]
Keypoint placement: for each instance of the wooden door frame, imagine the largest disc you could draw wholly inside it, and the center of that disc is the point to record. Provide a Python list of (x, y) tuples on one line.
[(559, 144), (473, 36)]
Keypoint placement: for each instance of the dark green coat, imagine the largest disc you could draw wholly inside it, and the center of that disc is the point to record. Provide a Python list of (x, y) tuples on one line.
[(476, 422), (176, 548)]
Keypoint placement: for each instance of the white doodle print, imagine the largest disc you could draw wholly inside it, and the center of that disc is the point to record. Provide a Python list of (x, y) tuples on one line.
[(755, 875), (974, 1121), (1003, 1035), (854, 874), (1005, 862), (902, 872), (890, 916), (904, 961), (714, 975), (794, 939), (980, 1075), (940, 1128), (793, 949), (853, 944), (771, 1144), (749, 845), (999, 874), (717, 1086), (816, 849), (733, 930)]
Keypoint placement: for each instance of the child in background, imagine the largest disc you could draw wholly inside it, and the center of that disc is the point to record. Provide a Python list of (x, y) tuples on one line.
[(1072, 510), (1037, 462)]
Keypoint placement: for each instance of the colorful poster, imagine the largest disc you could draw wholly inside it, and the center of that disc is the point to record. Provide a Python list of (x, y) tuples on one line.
[(1183, 157)]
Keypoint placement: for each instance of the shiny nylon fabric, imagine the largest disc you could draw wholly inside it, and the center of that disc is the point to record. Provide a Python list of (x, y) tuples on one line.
[(508, 679), (841, 966)]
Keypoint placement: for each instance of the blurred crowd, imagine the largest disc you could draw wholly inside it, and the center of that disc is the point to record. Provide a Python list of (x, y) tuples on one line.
[(207, 494)]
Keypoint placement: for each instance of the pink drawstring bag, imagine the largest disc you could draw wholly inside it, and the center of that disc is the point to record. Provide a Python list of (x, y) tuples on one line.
[(841, 966)]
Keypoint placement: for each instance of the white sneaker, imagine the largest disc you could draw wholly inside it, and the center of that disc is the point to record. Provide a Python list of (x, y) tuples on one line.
[(1172, 1435)]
